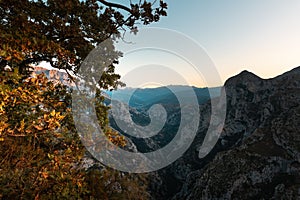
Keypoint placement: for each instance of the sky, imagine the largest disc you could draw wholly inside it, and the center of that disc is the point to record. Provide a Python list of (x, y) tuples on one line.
[(261, 36)]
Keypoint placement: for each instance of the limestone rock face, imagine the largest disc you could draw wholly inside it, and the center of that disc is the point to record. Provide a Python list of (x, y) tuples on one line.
[(54, 75), (252, 102), (259, 149)]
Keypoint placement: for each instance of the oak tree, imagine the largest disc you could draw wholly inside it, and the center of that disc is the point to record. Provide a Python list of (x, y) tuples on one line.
[(63, 32), (39, 147), (41, 154)]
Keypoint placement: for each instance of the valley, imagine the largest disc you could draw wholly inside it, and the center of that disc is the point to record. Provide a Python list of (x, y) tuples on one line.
[(257, 154)]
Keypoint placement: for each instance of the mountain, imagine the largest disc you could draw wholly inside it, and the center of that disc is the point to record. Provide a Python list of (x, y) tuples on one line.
[(140, 102), (54, 75), (144, 98), (258, 154)]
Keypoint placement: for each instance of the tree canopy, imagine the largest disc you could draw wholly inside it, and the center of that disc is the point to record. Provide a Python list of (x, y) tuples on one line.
[(63, 32), (40, 152)]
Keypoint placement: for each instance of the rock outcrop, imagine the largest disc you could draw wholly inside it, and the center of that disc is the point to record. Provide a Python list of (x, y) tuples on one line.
[(54, 75), (258, 155)]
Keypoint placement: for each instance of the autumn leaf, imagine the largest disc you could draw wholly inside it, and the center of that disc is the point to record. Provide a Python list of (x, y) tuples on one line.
[(52, 113), (22, 125), (39, 128), (45, 175)]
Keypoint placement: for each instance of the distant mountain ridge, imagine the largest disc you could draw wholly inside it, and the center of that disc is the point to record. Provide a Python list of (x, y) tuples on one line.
[(166, 95), (140, 102)]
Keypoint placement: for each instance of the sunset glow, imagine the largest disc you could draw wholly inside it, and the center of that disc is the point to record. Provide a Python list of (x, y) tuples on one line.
[(258, 36)]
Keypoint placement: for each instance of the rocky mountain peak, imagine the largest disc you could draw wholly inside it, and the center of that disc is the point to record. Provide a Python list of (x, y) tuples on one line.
[(54, 75), (244, 79), (259, 154)]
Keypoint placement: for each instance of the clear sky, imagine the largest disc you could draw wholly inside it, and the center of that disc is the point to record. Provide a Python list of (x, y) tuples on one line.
[(261, 36)]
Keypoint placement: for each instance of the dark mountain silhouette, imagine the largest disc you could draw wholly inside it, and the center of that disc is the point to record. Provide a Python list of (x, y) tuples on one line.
[(258, 153)]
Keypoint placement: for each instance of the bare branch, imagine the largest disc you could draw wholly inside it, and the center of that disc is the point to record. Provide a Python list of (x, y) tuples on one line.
[(115, 5)]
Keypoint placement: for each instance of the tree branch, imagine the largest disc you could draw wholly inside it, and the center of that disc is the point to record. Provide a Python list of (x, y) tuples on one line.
[(115, 5)]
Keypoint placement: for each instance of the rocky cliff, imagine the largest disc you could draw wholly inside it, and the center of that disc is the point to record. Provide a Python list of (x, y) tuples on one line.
[(258, 154), (54, 75)]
